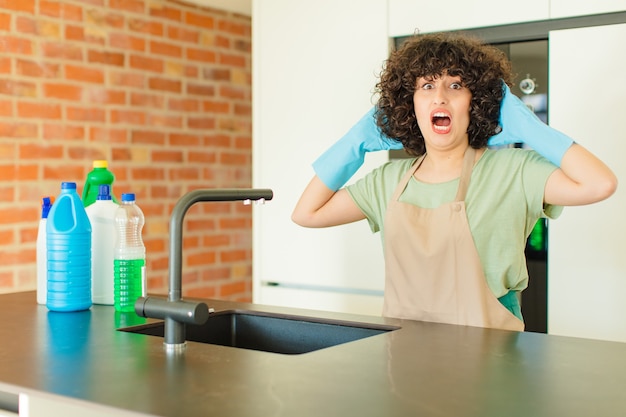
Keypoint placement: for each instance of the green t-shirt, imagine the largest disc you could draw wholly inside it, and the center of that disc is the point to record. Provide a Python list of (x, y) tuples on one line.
[(504, 201)]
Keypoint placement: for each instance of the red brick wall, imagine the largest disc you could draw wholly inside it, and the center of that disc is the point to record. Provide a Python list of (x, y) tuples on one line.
[(162, 90)]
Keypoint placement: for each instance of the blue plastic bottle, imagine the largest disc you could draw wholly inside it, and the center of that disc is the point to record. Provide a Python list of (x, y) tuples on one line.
[(68, 249), (129, 255), (42, 264)]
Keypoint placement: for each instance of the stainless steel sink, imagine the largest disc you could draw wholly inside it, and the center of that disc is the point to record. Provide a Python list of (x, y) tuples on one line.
[(277, 333)]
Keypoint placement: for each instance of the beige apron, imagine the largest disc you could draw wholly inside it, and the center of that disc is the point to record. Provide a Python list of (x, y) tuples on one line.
[(433, 272)]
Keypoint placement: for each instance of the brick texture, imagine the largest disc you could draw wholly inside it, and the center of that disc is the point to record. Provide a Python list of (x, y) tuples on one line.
[(161, 90)]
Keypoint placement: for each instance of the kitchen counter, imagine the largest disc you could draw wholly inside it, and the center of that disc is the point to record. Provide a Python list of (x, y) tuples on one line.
[(421, 369)]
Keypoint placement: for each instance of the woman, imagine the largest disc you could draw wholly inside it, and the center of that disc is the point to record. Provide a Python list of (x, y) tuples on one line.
[(455, 219)]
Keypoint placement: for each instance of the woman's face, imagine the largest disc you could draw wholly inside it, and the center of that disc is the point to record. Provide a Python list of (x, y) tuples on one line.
[(442, 108)]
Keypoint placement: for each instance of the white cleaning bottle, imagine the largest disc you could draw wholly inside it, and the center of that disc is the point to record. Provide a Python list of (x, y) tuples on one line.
[(102, 218)]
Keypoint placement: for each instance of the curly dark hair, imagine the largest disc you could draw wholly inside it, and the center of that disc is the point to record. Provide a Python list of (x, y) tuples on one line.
[(481, 67)]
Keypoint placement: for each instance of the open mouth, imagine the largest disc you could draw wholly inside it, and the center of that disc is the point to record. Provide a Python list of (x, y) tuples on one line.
[(441, 122)]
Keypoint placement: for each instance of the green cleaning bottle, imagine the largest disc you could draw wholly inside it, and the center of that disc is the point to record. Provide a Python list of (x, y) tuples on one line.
[(100, 175)]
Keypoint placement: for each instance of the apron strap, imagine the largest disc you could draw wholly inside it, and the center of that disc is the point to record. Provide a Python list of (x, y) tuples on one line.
[(407, 177)]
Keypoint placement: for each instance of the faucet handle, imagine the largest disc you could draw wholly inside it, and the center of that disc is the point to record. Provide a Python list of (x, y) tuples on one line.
[(181, 311)]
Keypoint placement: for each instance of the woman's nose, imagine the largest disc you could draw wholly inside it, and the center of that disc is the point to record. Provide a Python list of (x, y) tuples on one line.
[(440, 96)]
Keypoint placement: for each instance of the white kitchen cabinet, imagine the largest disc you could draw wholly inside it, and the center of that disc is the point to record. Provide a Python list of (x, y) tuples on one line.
[(569, 8), (411, 16), (315, 64), (587, 263)]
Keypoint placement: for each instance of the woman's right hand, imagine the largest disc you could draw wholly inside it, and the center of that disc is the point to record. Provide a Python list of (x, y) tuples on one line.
[(339, 163)]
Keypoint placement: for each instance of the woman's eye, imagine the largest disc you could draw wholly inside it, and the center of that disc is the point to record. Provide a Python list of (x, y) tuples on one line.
[(456, 86), (427, 86)]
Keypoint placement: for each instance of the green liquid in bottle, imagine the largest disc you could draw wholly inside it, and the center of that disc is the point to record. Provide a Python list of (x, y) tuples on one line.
[(128, 284)]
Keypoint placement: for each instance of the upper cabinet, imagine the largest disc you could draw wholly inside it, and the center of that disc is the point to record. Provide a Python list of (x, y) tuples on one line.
[(569, 8), (411, 16)]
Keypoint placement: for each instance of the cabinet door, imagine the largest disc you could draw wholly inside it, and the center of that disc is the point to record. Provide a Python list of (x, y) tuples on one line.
[(411, 16), (586, 257), (569, 8), (315, 67)]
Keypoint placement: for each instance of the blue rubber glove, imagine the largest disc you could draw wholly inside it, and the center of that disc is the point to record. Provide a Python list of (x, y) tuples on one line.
[(520, 125), (339, 163)]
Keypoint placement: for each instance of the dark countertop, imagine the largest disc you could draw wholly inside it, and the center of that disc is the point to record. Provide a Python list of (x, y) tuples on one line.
[(423, 369)]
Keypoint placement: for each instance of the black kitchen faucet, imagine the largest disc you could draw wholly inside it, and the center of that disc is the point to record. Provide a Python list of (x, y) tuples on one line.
[(175, 311)]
